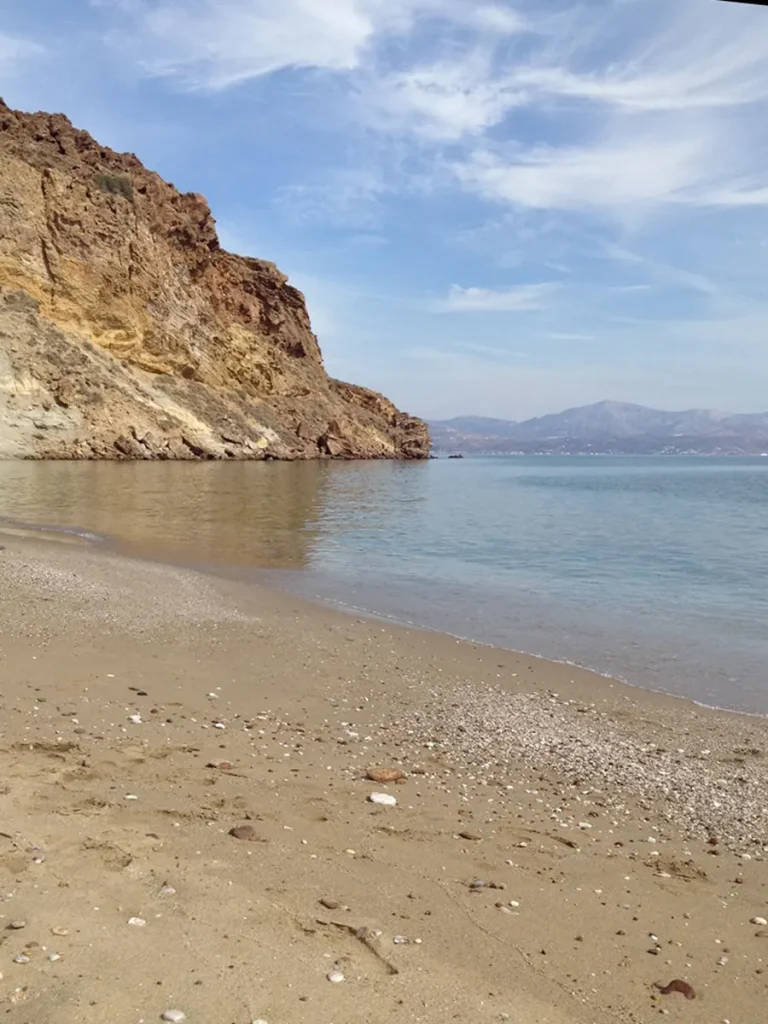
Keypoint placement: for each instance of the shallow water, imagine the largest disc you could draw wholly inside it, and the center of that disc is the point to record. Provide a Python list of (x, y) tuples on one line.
[(655, 570)]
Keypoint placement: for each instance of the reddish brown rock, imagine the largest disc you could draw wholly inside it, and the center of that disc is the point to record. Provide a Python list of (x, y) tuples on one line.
[(247, 833), (384, 775), (127, 332)]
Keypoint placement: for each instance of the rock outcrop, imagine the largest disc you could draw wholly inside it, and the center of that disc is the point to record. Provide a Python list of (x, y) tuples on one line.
[(126, 331)]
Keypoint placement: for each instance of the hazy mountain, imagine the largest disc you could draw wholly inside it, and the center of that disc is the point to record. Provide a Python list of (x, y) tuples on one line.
[(485, 425), (608, 427)]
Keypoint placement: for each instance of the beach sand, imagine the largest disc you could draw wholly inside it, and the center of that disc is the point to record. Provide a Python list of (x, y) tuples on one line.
[(621, 837)]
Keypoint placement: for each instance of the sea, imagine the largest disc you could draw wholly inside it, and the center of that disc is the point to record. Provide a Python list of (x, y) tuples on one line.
[(652, 570)]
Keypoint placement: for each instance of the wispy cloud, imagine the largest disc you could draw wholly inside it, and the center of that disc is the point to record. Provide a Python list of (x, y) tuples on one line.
[(517, 299), (14, 51), (350, 200), (216, 44)]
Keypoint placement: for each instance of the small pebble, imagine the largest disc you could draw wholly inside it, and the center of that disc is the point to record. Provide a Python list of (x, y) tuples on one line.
[(336, 977), (18, 925), (137, 922), (61, 932), (173, 1016), (22, 958), (247, 833), (53, 957), (384, 799), (758, 921), (400, 940), (167, 890)]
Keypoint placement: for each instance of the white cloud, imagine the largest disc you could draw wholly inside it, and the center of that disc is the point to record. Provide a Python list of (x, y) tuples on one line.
[(518, 299), (608, 173), (443, 101), (215, 44)]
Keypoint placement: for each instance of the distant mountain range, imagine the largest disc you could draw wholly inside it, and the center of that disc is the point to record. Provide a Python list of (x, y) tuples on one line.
[(617, 428)]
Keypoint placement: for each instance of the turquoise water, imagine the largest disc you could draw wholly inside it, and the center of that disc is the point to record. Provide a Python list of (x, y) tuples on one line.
[(651, 569)]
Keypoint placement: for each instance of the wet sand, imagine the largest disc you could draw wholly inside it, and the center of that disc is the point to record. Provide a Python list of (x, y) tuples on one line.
[(620, 836)]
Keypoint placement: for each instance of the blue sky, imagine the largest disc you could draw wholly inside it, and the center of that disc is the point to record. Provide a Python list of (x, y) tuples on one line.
[(503, 207)]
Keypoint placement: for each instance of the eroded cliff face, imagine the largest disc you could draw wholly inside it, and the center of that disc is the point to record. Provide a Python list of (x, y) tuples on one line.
[(126, 331)]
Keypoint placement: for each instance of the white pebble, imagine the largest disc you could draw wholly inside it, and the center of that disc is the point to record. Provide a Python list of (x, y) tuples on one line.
[(173, 1016), (137, 922), (22, 958), (336, 977), (385, 799), (136, 719), (53, 957), (400, 940), (761, 921), (584, 824)]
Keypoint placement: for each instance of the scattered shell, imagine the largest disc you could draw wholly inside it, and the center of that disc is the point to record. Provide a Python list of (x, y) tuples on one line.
[(384, 775), (385, 799), (167, 890), (173, 1016), (219, 725), (61, 932), (247, 833), (758, 921), (137, 922), (336, 977), (400, 940), (136, 719), (53, 957), (722, 961), (22, 958)]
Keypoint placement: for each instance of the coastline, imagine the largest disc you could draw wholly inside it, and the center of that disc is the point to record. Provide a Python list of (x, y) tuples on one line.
[(261, 577), (521, 774)]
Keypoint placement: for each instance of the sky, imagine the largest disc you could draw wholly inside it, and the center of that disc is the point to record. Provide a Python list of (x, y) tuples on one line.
[(494, 207)]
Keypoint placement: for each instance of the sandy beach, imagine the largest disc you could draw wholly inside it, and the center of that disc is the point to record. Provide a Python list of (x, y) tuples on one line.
[(562, 846)]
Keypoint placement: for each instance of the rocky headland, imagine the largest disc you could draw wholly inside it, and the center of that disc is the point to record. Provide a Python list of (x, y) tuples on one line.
[(126, 331)]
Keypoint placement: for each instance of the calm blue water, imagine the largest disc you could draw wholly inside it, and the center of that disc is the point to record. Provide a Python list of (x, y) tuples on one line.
[(655, 570)]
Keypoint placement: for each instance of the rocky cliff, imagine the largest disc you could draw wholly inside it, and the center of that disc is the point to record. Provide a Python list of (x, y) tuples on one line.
[(126, 331)]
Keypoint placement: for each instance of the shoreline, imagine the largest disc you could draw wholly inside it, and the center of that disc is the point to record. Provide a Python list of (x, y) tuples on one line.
[(226, 571), (546, 848)]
